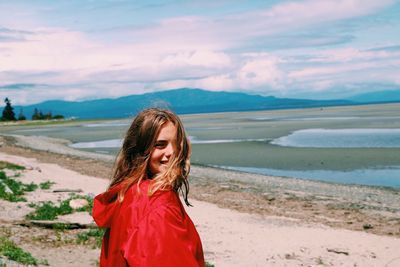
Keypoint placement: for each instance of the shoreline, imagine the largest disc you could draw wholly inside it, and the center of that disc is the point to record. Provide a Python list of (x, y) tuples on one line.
[(61, 146), (354, 207)]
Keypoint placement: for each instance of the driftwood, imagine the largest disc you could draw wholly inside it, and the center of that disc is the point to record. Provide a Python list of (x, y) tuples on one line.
[(61, 190), (57, 224), (337, 251)]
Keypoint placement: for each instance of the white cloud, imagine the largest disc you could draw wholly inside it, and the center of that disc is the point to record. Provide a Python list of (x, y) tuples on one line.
[(253, 71), (349, 54), (36, 95), (260, 71), (312, 11), (78, 59), (217, 83), (330, 68), (53, 50), (202, 58), (71, 92), (292, 15), (323, 85)]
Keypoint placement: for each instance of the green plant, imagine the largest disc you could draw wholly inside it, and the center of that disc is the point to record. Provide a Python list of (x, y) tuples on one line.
[(10, 250), (49, 211), (11, 166), (209, 265), (30, 187), (61, 227), (46, 185), (12, 190), (93, 235), (44, 262)]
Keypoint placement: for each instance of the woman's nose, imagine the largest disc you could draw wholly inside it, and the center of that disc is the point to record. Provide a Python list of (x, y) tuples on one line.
[(169, 150)]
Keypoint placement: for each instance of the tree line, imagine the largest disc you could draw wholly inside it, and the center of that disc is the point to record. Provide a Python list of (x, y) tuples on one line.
[(9, 114)]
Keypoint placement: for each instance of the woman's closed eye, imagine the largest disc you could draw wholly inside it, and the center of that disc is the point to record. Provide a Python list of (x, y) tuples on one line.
[(161, 144)]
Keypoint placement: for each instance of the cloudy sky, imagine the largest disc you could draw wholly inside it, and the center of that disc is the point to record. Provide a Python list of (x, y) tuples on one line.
[(79, 50)]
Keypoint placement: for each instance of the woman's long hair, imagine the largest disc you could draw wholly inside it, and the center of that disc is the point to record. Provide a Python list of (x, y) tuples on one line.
[(132, 163)]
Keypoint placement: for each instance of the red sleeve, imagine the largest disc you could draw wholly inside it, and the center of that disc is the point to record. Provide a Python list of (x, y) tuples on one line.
[(165, 237)]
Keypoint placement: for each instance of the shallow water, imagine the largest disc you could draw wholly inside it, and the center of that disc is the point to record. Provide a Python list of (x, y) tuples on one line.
[(333, 138), (117, 143), (389, 138), (112, 143), (388, 176)]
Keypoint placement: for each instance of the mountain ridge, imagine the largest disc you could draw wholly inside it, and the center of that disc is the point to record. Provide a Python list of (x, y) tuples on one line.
[(181, 100)]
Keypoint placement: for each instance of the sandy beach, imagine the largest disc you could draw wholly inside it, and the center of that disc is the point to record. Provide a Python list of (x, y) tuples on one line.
[(243, 219)]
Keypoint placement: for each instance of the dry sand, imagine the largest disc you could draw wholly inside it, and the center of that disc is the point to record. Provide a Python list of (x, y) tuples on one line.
[(230, 238)]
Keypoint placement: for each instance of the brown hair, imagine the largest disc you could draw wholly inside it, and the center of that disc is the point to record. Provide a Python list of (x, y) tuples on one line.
[(131, 164)]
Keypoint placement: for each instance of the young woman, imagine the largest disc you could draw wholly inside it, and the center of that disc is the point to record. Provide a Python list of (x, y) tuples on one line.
[(145, 220)]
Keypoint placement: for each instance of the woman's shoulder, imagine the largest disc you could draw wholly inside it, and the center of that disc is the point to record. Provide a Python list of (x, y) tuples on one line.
[(140, 206), (139, 195)]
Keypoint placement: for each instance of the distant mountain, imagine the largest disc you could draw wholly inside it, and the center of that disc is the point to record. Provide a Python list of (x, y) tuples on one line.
[(377, 97), (182, 101)]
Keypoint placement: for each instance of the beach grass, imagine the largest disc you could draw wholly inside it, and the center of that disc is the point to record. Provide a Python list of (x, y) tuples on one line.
[(10, 250), (46, 185), (12, 190), (92, 236), (49, 211), (11, 166)]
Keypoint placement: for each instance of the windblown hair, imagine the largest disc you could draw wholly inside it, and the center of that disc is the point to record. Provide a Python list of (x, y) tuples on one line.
[(132, 163)]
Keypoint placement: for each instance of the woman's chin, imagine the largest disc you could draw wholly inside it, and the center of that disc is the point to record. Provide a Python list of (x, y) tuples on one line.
[(162, 168)]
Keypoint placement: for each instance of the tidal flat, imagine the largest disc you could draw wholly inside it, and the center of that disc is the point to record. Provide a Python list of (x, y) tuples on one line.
[(245, 140)]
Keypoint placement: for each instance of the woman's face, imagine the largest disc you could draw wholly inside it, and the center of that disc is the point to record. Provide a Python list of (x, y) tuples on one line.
[(164, 149)]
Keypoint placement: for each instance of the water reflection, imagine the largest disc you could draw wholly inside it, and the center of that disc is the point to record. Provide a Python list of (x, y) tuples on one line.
[(344, 138), (116, 143), (387, 176)]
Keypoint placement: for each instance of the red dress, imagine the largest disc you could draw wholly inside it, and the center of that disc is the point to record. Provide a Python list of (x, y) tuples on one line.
[(146, 231)]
